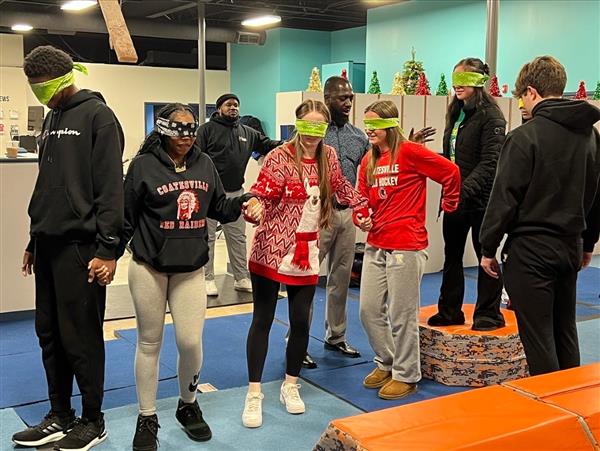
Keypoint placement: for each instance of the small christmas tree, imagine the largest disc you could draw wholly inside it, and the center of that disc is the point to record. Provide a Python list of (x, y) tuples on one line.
[(423, 86), (345, 74), (581, 92), (374, 87), (596, 95), (397, 86), (494, 89), (410, 76), (314, 84), (442, 89)]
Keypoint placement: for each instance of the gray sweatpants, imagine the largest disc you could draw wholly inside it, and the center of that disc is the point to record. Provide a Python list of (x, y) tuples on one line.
[(337, 243), (235, 238), (389, 309), (186, 295)]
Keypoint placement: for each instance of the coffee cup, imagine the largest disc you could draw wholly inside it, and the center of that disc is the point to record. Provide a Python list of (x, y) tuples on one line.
[(12, 152)]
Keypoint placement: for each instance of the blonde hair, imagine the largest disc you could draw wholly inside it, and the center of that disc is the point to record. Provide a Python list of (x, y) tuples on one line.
[(303, 109), (385, 109)]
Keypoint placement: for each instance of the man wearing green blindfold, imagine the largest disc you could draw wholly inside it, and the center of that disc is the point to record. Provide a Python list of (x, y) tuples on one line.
[(76, 213)]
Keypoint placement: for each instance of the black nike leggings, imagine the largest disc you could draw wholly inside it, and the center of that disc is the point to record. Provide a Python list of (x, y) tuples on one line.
[(264, 294)]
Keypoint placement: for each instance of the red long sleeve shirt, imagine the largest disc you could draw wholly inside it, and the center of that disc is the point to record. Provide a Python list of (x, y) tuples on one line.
[(399, 193)]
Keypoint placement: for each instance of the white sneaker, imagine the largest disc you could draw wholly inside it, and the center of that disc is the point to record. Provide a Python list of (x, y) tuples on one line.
[(290, 396), (211, 288), (243, 285), (252, 416)]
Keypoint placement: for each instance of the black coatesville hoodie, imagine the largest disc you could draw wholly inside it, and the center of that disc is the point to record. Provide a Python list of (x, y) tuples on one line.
[(78, 194), (230, 144), (166, 211), (548, 177)]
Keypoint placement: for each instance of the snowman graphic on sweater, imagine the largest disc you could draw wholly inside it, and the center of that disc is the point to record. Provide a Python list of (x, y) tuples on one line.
[(303, 257)]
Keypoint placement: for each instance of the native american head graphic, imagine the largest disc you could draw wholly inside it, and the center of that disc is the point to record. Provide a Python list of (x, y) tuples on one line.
[(187, 204)]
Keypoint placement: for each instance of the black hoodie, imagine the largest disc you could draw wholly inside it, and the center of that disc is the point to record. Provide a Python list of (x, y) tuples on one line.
[(548, 177), (78, 195), (230, 145), (165, 211)]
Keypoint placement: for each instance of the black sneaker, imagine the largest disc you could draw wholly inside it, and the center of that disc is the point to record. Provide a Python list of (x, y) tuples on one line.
[(52, 428), (84, 435), (190, 417), (146, 433)]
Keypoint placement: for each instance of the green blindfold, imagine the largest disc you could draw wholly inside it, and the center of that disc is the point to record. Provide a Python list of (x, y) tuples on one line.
[(381, 123), (48, 89), (472, 79), (311, 128)]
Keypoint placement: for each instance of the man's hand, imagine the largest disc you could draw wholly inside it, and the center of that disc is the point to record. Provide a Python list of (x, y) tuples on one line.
[(491, 267), (586, 260), (103, 270), (422, 136), (365, 224), (27, 267)]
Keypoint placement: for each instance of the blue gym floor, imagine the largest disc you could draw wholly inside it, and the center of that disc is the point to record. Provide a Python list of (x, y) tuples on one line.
[(331, 391)]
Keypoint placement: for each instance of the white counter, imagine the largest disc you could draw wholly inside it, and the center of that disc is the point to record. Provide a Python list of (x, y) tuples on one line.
[(17, 179)]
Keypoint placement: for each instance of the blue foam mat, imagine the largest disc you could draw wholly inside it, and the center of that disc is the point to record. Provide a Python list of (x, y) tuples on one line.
[(23, 380), (33, 413), (589, 340), (18, 337), (588, 286), (222, 410), (224, 347), (9, 424), (346, 383)]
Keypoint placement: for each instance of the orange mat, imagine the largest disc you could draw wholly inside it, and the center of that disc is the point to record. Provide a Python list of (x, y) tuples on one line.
[(576, 390), (509, 318), (503, 418), (457, 355)]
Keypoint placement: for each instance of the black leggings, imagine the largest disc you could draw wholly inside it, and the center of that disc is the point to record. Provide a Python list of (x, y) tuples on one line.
[(264, 294)]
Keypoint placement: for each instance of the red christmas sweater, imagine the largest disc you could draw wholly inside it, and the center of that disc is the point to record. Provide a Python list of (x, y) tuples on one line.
[(286, 244), (398, 196)]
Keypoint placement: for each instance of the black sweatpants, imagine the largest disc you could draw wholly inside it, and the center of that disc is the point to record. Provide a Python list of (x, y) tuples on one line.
[(455, 229), (69, 313), (540, 272), (264, 295)]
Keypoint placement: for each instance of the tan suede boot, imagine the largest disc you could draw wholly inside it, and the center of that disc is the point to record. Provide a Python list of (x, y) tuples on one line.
[(377, 378), (395, 389)]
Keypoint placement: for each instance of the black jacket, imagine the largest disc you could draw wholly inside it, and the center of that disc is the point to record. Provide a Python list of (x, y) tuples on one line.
[(548, 176), (478, 143), (78, 195), (230, 145), (165, 211)]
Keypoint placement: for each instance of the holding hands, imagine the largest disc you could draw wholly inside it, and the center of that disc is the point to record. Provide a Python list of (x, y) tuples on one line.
[(364, 223), (103, 270), (253, 210)]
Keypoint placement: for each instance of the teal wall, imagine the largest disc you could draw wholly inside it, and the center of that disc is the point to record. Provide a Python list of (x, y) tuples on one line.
[(443, 32), (300, 51), (255, 78), (349, 45), (284, 63)]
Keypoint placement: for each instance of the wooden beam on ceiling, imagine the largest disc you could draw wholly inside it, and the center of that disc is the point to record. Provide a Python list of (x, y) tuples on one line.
[(118, 33)]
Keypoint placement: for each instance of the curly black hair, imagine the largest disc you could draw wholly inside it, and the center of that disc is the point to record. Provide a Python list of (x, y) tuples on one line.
[(46, 60)]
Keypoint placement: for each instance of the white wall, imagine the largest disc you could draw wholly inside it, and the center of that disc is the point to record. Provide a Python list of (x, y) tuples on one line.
[(127, 88)]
